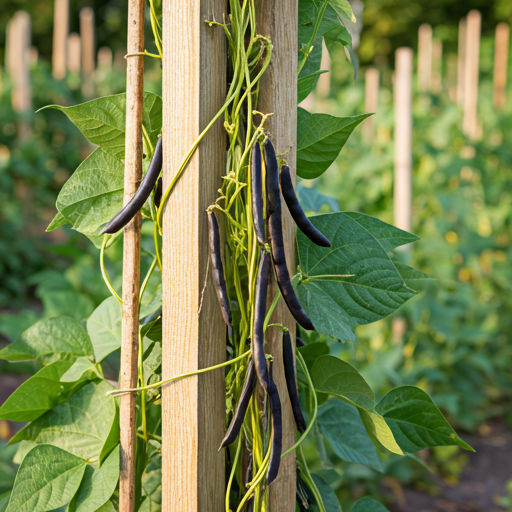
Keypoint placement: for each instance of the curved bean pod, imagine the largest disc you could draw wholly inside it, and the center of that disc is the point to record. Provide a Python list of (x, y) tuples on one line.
[(241, 408), (257, 193), (277, 432), (277, 242), (129, 211), (291, 382), (218, 269), (296, 211)]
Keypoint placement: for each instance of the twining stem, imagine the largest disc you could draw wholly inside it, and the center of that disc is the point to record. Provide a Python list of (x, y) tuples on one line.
[(104, 270), (233, 471), (310, 482)]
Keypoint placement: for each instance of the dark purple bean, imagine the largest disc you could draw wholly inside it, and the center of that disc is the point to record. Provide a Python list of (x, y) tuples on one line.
[(291, 382), (277, 241), (158, 192), (296, 211), (260, 311), (218, 269), (241, 408), (129, 211), (257, 194), (277, 432)]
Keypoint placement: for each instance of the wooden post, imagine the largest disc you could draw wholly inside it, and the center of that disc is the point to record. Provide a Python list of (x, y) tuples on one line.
[(461, 66), (131, 255), (451, 76), (323, 87), (119, 60), (436, 85), (371, 101), (74, 53), (501, 49), (60, 38), (87, 36), (470, 124), (193, 409), (105, 58), (278, 96), (424, 57)]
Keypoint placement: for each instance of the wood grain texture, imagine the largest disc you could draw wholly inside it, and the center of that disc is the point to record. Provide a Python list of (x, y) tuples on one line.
[(193, 409), (60, 38), (131, 255), (278, 20)]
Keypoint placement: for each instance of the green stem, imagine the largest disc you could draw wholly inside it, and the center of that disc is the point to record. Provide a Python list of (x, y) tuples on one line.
[(310, 482), (104, 270)]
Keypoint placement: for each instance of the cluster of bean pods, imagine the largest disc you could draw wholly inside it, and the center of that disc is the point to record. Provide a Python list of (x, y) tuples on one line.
[(267, 228)]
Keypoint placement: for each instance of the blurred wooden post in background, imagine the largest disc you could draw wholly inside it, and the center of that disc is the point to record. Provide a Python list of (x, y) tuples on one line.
[(436, 85), (424, 57), (470, 124), (88, 52), (461, 62), (193, 409), (105, 58), (323, 87), (119, 59), (371, 102), (501, 49), (451, 76), (74, 53), (60, 38), (131, 257)]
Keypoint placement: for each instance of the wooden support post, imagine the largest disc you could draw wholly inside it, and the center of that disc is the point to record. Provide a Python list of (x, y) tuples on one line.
[(371, 101), (105, 58), (88, 52), (131, 255), (461, 62), (470, 124), (74, 53), (501, 49), (193, 409), (279, 97), (323, 87), (436, 85), (424, 57), (60, 38)]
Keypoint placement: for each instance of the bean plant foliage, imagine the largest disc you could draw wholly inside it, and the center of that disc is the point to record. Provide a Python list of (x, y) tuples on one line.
[(68, 452)]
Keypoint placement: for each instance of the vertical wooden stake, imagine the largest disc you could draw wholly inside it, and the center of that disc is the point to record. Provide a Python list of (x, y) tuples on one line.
[(87, 37), (277, 95), (193, 409), (60, 38), (131, 255), (74, 53), (501, 49), (105, 58), (461, 66), (323, 87), (470, 124), (436, 85), (371, 101), (424, 57)]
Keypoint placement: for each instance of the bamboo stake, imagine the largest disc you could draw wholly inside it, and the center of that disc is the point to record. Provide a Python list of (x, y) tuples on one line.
[(193, 409), (461, 66), (371, 101), (424, 57), (277, 95), (60, 38), (470, 124), (501, 64), (131, 255), (437, 66), (74, 53)]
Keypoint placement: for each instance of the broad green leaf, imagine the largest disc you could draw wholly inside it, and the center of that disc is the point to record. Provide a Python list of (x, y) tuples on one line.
[(49, 340), (104, 328), (4, 500), (329, 498), (416, 421), (306, 84), (102, 121), (369, 505), (47, 479), (379, 431), (414, 279), (23, 448), (354, 282), (148, 505), (152, 479), (346, 433), (40, 393), (153, 361), (80, 366), (66, 302), (97, 486), (80, 425), (320, 138), (58, 221), (312, 351), (343, 10), (107, 507), (93, 194), (312, 201), (113, 438)]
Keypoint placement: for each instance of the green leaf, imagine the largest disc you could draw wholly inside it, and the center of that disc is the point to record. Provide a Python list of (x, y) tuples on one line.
[(104, 328), (306, 84), (343, 10), (369, 505), (320, 138), (113, 438), (58, 221), (107, 507), (312, 201), (40, 393), (102, 121), (152, 479), (312, 351), (329, 498), (97, 486), (148, 505), (346, 433), (66, 302), (416, 421), (152, 362), (80, 366), (4, 500), (352, 283), (80, 425), (93, 194), (47, 479), (49, 340)]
